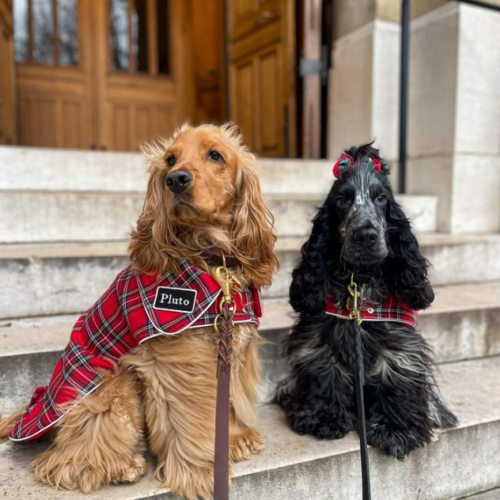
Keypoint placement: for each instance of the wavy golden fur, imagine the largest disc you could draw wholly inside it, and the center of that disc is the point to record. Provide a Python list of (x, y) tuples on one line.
[(165, 390), (227, 212)]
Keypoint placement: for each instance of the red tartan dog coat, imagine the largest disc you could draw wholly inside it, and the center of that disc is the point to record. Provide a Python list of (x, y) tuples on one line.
[(134, 309), (391, 309)]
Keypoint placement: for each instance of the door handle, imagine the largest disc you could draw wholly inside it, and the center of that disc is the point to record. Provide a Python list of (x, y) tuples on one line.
[(267, 15)]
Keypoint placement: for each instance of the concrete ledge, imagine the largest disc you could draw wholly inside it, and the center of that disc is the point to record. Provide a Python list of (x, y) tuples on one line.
[(462, 462)]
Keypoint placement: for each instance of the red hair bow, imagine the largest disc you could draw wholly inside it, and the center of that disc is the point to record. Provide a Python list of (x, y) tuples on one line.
[(346, 162)]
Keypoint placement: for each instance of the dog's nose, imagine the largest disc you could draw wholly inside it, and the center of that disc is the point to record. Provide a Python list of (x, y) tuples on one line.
[(179, 181), (366, 236)]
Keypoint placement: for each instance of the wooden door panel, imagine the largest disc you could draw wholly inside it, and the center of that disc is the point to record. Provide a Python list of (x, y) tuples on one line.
[(133, 125), (270, 101), (243, 100), (165, 120), (246, 17), (262, 74), (120, 126), (45, 118), (74, 120), (143, 124), (50, 120)]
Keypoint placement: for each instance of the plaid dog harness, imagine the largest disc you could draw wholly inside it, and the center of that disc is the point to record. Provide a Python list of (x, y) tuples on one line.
[(391, 309), (134, 309)]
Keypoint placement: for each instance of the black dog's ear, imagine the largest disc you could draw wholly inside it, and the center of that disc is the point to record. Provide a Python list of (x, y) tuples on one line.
[(308, 288), (406, 268)]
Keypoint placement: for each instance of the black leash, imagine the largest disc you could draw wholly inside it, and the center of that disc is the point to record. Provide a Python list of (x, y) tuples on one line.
[(360, 382)]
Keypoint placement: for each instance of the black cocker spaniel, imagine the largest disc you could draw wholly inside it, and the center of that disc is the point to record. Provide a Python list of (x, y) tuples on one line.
[(361, 229)]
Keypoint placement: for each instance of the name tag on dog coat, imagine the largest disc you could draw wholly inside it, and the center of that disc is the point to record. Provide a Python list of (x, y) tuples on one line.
[(175, 299)]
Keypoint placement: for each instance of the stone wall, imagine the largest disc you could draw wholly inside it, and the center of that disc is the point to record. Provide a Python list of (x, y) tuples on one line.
[(454, 109)]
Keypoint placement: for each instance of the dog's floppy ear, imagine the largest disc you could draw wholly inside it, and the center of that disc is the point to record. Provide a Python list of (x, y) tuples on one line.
[(406, 267), (148, 246), (252, 228), (309, 280)]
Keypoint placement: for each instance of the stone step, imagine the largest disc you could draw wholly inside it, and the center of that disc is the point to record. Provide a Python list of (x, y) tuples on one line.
[(463, 323), (49, 216), (45, 169), (462, 462), (487, 495), (61, 278)]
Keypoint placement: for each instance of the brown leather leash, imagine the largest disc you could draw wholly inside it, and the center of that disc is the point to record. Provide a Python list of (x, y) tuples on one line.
[(224, 326)]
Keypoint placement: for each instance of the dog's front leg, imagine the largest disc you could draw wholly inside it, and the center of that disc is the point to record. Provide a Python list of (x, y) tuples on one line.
[(244, 439), (318, 398), (398, 402), (320, 403)]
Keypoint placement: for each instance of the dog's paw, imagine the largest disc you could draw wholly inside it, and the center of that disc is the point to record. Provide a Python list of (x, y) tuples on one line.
[(245, 444), (395, 442), (59, 471), (322, 422), (130, 472)]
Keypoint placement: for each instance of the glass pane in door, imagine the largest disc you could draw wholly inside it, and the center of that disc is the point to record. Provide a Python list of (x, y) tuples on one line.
[(119, 35), (163, 36), (67, 22), (43, 31), (21, 35), (140, 35)]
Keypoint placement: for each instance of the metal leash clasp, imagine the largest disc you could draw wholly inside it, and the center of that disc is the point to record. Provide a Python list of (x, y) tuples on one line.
[(352, 303), (226, 279)]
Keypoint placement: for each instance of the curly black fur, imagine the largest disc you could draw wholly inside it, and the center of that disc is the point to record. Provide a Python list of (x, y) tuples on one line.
[(402, 402)]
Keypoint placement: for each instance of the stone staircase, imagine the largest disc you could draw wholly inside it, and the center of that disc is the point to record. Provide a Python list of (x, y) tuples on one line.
[(65, 220)]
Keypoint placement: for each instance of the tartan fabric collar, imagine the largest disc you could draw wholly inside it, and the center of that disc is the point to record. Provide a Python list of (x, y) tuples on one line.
[(174, 302), (392, 309)]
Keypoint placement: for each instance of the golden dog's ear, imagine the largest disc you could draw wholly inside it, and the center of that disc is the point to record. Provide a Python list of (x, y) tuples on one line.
[(148, 245), (252, 228)]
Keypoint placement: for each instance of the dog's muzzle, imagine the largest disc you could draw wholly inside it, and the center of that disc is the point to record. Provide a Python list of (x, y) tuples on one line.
[(365, 244)]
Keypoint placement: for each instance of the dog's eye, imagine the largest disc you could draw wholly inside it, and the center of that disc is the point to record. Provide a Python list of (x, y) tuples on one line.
[(381, 199), (342, 202), (215, 156), (171, 161)]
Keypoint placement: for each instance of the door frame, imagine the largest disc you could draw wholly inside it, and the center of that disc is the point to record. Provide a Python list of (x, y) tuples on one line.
[(8, 106)]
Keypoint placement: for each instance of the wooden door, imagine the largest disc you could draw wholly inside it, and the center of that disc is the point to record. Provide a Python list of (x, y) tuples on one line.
[(7, 86), (53, 73), (141, 53), (262, 74), (99, 74)]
